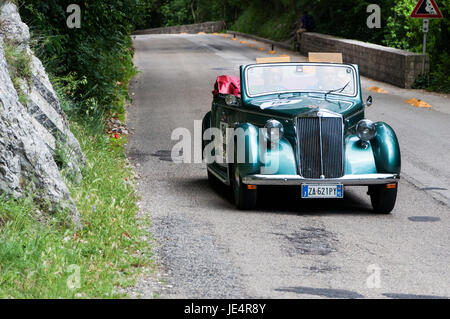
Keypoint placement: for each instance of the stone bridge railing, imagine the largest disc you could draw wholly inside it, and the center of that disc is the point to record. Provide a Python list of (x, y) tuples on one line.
[(381, 63)]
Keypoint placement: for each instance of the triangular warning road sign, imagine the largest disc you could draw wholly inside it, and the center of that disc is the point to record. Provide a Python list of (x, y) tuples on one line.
[(426, 9)]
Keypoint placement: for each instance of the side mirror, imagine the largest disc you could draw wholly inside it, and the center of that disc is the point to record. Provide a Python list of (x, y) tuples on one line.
[(369, 101), (231, 100)]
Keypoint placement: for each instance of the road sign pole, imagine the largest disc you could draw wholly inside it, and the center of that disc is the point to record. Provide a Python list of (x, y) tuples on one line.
[(426, 9), (424, 52)]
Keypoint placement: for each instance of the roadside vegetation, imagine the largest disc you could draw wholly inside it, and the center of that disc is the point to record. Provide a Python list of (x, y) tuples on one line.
[(278, 21), (19, 68), (42, 255), (98, 55)]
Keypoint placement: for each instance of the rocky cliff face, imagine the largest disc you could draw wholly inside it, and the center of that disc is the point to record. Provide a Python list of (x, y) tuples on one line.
[(32, 131)]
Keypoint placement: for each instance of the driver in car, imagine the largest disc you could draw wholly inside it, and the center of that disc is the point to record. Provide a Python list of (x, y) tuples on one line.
[(273, 78), (333, 78)]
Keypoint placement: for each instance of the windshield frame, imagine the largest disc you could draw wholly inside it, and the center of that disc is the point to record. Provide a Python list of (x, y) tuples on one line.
[(250, 66)]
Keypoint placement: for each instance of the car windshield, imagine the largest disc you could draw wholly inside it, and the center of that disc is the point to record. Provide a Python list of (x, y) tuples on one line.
[(267, 79)]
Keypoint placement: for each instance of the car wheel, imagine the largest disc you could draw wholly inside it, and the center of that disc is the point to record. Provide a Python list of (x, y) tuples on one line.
[(244, 198), (214, 182), (383, 198)]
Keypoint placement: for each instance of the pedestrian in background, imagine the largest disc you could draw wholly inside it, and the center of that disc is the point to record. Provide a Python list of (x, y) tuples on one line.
[(307, 24)]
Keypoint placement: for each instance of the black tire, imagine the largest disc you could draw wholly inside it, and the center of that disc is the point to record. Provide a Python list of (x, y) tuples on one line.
[(244, 198), (214, 182), (383, 198)]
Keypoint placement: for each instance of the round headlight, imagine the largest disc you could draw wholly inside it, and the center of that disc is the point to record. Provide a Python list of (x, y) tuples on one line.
[(273, 130), (365, 129)]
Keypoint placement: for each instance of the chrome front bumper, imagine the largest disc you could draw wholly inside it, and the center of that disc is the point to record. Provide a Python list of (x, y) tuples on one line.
[(365, 179)]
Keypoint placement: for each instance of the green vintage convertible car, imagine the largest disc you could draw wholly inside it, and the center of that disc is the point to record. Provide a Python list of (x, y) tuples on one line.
[(299, 124)]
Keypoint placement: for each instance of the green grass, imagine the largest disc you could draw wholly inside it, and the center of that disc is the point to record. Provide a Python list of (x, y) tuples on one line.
[(37, 258), (41, 255), (19, 66)]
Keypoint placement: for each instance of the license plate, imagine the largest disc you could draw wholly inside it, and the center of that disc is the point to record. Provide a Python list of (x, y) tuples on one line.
[(322, 191)]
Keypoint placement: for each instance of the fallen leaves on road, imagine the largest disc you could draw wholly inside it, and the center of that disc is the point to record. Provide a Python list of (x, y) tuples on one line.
[(378, 90), (418, 103)]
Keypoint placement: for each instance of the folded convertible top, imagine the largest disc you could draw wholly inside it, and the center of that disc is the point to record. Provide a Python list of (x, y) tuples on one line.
[(227, 84)]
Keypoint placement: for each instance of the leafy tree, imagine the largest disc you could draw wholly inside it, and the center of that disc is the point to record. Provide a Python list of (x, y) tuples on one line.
[(405, 33), (99, 51)]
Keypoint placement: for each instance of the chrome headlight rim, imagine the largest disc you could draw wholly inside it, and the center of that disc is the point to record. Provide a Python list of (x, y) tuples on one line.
[(366, 130), (231, 99), (270, 127)]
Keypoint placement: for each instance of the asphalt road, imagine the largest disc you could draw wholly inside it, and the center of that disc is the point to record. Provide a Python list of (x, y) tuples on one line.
[(287, 247)]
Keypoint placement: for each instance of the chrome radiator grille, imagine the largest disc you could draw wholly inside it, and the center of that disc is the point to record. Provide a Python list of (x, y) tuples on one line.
[(320, 146)]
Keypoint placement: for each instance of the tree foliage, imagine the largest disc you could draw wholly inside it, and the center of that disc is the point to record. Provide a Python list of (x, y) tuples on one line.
[(405, 33), (99, 51), (278, 19)]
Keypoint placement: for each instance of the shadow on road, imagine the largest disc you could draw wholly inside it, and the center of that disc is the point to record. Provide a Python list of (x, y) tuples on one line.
[(284, 199)]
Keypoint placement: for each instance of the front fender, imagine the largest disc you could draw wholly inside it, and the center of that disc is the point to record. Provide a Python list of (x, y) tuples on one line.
[(260, 158), (279, 160), (246, 149), (382, 154), (358, 160), (386, 150)]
